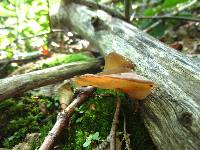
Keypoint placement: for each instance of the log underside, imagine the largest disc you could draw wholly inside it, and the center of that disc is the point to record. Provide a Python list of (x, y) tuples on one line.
[(172, 111)]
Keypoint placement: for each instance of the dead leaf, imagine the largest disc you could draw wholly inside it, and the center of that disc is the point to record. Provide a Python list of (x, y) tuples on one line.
[(117, 75), (65, 93), (176, 45)]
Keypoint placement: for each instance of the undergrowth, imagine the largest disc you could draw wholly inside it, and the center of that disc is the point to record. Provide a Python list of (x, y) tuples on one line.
[(20, 116), (89, 126), (63, 59)]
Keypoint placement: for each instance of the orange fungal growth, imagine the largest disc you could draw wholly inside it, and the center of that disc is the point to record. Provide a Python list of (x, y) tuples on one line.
[(118, 75)]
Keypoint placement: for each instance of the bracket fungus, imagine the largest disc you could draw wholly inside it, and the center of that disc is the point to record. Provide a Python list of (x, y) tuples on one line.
[(118, 75)]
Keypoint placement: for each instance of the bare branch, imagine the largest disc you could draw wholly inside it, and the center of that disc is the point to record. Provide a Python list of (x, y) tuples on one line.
[(114, 126), (127, 5), (179, 9), (63, 119), (126, 135), (107, 9), (169, 17)]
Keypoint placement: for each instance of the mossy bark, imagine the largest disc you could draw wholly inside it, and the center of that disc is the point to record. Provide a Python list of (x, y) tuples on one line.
[(172, 111)]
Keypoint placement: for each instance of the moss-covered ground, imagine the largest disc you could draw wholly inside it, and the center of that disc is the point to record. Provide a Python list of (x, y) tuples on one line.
[(88, 127), (20, 116), (90, 124)]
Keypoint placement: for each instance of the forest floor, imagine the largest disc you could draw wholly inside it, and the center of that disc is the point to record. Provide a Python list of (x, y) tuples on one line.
[(26, 119)]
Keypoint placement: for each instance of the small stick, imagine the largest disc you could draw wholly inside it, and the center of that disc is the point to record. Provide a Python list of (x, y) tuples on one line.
[(179, 9), (63, 119), (114, 126), (168, 17), (126, 135), (111, 138), (127, 5), (104, 144), (95, 5)]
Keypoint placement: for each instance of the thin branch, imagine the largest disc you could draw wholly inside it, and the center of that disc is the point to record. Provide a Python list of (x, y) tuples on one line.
[(8, 16), (104, 144), (179, 9), (7, 28), (35, 36), (95, 5), (63, 119), (33, 56), (49, 17), (111, 138), (168, 17), (127, 5), (126, 135), (4, 65), (114, 126), (30, 56)]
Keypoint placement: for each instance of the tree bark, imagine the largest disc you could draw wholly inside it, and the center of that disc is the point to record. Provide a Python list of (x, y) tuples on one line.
[(172, 110), (20, 83)]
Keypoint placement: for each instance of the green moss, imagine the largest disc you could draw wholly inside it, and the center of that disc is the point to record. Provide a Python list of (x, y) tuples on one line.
[(44, 130), (94, 116), (63, 59), (140, 139), (19, 117)]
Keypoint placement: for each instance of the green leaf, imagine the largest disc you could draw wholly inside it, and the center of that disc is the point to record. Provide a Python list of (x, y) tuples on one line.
[(158, 31), (87, 143), (79, 119), (96, 136)]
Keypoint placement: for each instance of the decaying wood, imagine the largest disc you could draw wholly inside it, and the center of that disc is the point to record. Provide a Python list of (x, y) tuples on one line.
[(172, 110), (20, 83), (63, 119)]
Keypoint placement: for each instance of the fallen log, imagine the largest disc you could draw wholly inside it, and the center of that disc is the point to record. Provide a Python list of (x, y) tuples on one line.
[(172, 111), (15, 85)]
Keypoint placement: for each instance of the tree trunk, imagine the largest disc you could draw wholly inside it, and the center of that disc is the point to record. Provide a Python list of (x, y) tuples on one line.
[(172, 110), (20, 83)]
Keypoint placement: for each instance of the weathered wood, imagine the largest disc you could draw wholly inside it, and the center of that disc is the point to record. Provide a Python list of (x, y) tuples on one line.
[(172, 111), (20, 83)]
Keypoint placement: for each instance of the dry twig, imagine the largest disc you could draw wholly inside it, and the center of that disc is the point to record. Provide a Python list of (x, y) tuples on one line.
[(127, 5), (114, 126), (111, 138), (105, 8), (179, 9), (168, 17), (126, 135), (63, 119)]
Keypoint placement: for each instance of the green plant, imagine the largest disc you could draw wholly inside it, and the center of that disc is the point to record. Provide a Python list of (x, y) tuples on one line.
[(91, 138), (22, 19), (21, 116)]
